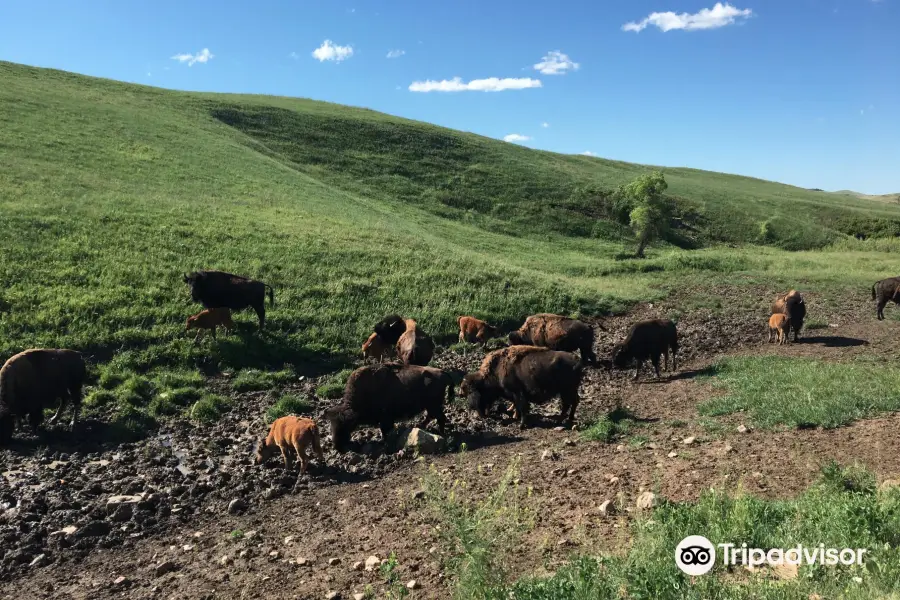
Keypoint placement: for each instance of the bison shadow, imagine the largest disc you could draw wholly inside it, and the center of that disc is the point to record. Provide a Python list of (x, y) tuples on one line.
[(90, 435), (485, 439), (833, 341)]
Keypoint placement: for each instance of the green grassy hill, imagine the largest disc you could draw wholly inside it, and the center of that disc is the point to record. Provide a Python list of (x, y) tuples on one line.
[(110, 191)]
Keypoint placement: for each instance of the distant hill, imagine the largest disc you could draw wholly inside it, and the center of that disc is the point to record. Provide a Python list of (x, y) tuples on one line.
[(876, 198)]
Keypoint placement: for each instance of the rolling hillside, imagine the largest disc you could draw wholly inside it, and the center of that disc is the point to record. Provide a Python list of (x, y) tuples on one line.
[(110, 191)]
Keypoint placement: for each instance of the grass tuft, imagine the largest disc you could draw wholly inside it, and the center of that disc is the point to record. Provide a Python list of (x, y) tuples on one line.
[(288, 405)]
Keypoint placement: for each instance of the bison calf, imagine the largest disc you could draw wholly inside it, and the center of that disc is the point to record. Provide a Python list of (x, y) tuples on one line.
[(779, 328), (415, 347), (647, 339), (381, 395), (526, 375), (376, 348), (557, 333), (209, 320), (34, 380), (884, 291), (475, 331), (291, 435), (792, 305)]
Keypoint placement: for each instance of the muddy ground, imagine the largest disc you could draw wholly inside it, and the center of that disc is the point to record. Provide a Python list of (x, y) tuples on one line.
[(186, 514)]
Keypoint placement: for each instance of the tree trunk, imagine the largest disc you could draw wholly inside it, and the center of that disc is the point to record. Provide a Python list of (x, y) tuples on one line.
[(641, 246)]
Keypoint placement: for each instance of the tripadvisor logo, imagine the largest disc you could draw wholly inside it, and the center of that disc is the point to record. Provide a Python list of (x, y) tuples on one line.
[(696, 555)]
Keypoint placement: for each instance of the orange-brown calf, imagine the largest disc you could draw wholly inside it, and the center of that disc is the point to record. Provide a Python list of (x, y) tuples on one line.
[(210, 319), (375, 347), (474, 330), (291, 434), (779, 327)]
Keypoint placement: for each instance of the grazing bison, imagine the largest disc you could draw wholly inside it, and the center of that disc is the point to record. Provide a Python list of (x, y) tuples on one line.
[(33, 380), (884, 291), (390, 328), (525, 375), (210, 319), (779, 328), (415, 347), (647, 339), (376, 348), (216, 289), (291, 434), (557, 333), (381, 395), (792, 305), (475, 331)]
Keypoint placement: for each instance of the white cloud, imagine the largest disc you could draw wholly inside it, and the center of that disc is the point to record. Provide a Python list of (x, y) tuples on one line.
[(556, 63), (329, 51), (588, 153), (719, 15), (491, 84), (515, 137), (396, 53), (545, 125), (204, 56)]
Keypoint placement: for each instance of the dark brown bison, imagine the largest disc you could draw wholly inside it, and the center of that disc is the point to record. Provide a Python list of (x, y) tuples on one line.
[(557, 333), (217, 289), (525, 375), (381, 395), (647, 339), (415, 347), (475, 331), (390, 328), (884, 291), (792, 305), (34, 380)]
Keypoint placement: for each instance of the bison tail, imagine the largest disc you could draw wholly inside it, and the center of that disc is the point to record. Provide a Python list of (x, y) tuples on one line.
[(271, 295)]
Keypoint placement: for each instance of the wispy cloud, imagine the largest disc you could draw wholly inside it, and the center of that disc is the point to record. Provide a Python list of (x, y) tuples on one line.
[(516, 137), (556, 63), (396, 53), (588, 153), (491, 84), (330, 51), (204, 56), (545, 125), (719, 15), (149, 74), (294, 55)]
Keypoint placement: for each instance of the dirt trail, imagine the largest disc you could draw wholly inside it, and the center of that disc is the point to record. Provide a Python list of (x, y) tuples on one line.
[(371, 507)]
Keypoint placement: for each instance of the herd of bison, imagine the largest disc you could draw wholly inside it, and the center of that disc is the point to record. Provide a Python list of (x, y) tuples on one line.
[(539, 364)]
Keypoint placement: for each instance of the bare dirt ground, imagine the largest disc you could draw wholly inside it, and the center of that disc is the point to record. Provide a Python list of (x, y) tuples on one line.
[(307, 537)]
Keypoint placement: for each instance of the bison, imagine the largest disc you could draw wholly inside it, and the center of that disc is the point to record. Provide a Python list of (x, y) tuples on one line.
[(779, 328), (557, 333), (415, 347), (381, 395), (291, 434), (210, 319), (390, 328), (475, 331), (217, 289), (376, 348), (33, 380), (647, 339), (884, 291), (525, 375), (792, 305)]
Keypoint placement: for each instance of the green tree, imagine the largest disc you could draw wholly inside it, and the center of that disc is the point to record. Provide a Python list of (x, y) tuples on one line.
[(650, 216)]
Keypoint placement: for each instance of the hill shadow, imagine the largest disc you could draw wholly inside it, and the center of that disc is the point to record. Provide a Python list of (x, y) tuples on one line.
[(833, 341)]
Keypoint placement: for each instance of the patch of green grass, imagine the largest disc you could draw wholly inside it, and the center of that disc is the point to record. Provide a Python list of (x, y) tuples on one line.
[(608, 427), (636, 441), (830, 512), (333, 386), (288, 404), (799, 392), (208, 409), (100, 398), (253, 380), (814, 324)]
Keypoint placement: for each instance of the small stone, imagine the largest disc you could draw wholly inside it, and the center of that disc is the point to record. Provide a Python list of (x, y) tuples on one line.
[(237, 506), (372, 562), (226, 560), (274, 554), (359, 596), (653, 445), (646, 500), (418, 494), (333, 562), (358, 565), (70, 530), (559, 428), (245, 553), (120, 581), (620, 448), (187, 547), (742, 429), (332, 595), (689, 440), (563, 542), (672, 454), (614, 479), (728, 448), (413, 585), (424, 442), (39, 561), (606, 508), (165, 567), (289, 540), (568, 442), (548, 455)]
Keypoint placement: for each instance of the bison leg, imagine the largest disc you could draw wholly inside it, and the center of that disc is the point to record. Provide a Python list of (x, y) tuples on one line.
[(569, 403), (301, 454), (261, 313), (797, 327), (637, 369), (770, 334), (523, 407), (879, 310), (655, 360), (59, 411), (674, 359), (666, 359), (587, 353), (75, 393), (285, 455)]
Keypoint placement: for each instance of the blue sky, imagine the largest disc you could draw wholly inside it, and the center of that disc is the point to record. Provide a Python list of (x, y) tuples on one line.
[(801, 91)]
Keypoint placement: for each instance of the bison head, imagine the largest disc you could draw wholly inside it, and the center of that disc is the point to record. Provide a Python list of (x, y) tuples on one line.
[(621, 356), (390, 328), (517, 338), (474, 388), (343, 422), (264, 451)]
